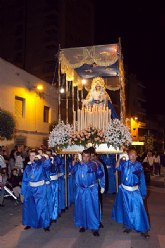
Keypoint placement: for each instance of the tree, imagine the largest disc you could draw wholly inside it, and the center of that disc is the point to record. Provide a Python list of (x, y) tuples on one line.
[(7, 125)]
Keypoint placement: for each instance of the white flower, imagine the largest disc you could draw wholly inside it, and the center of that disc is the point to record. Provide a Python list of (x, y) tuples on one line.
[(60, 135), (117, 134)]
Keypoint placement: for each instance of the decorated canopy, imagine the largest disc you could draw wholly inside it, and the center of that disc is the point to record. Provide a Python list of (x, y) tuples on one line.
[(89, 62)]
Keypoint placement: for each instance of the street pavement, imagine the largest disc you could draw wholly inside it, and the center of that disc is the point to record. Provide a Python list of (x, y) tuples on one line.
[(63, 234)]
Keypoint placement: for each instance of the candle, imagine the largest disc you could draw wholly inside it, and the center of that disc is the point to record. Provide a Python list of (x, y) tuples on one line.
[(79, 120), (74, 120)]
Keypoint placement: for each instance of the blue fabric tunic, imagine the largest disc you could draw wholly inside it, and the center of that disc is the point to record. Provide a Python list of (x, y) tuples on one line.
[(128, 206), (61, 184), (110, 161), (54, 187), (35, 206), (70, 182), (86, 211)]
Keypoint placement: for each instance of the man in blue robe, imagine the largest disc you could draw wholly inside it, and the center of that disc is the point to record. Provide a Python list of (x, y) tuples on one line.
[(101, 181), (128, 207), (61, 185), (109, 160), (35, 206), (87, 211)]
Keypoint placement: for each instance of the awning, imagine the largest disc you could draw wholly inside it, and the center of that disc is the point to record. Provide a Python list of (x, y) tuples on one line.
[(90, 62)]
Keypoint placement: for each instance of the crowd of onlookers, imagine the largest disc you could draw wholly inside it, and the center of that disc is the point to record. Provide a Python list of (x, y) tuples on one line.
[(152, 163)]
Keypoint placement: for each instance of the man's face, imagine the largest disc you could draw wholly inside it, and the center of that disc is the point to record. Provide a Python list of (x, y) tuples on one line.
[(14, 172), (32, 156), (86, 157), (93, 156), (132, 156)]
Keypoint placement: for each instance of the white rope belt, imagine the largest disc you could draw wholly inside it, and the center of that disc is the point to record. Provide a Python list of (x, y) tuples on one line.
[(129, 188), (108, 166), (87, 187), (54, 177), (60, 174), (35, 184)]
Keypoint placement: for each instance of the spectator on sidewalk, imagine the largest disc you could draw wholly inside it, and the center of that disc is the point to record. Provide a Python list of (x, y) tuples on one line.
[(15, 181), (156, 158), (2, 160), (150, 160), (3, 181)]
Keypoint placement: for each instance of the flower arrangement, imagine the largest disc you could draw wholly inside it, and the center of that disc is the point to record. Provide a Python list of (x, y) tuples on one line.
[(90, 135), (60, 135), (117, 134)]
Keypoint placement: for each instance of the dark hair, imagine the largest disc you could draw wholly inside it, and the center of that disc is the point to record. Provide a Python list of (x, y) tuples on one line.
[(35, 151), (92, 150), (49, 150), (18, 153), (86, 151), (12, 154)]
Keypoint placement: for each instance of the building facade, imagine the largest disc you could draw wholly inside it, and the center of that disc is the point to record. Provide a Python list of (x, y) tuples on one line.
[(33, 107)]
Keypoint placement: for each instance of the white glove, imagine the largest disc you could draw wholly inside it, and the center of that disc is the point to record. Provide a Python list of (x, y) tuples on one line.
[(46, 156), (38, 156), (102, 190)]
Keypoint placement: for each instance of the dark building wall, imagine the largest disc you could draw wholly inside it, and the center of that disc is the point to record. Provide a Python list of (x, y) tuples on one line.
[(135, 98), (77, 23), (31, 32)]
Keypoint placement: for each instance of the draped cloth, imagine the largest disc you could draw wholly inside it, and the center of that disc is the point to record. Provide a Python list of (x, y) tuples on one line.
[(35, 206), (91, 62), (109, 161), (87, 209), (54, 188), (128, 207)]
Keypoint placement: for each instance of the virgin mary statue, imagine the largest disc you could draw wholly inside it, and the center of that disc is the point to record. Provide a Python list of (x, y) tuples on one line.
[(99, 97)]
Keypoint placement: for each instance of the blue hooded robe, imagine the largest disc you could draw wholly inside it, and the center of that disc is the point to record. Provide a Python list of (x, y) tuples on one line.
[(87, 210), (128, 207), (35, 206)]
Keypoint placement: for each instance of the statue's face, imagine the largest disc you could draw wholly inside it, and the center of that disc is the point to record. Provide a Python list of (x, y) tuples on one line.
[(98, 87)]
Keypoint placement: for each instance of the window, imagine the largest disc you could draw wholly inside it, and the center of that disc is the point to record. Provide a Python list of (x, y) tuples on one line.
[(19, 107), (46, 114), (20, 140)]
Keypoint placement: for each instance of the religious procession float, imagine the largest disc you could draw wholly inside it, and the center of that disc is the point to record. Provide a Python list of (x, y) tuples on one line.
[(87, 78)]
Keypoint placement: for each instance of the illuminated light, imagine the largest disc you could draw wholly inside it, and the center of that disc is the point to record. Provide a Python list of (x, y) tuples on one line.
[(138, 143), (105, 53), (62, 90), (84, 81), (136, 118), (40, 87)]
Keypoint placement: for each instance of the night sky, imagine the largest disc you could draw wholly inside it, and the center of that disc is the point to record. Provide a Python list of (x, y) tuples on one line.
[(141, 26)]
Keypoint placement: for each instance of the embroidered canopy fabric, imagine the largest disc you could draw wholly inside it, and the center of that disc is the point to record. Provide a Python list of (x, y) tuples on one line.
[(90, 62)]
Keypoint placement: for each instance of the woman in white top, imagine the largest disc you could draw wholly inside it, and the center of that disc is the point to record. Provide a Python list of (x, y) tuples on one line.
[(150, 160), (156, 158)]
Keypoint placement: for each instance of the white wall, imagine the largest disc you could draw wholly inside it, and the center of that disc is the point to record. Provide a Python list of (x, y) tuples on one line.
[(17, 82)]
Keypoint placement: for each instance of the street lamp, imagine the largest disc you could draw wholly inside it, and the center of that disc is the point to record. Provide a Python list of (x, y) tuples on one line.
[(83, 81), (40, 87), (62, 90)]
